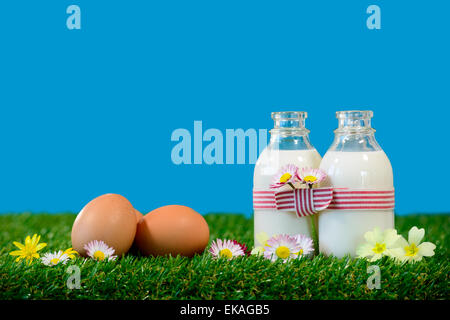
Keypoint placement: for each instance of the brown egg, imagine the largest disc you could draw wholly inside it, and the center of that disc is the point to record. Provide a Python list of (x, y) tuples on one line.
[(172, 230), (110, 218)]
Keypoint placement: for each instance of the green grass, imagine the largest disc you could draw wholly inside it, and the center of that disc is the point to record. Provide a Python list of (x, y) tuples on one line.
[(136, 277)]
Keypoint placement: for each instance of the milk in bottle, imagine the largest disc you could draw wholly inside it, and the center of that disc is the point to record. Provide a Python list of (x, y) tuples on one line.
[(289, 144), (355, 161)]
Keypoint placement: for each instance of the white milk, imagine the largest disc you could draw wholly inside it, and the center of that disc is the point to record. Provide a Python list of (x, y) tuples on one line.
[(269, 162), (341, 231)]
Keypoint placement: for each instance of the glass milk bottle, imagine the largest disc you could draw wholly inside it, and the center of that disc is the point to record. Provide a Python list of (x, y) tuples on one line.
[(289, 144), (355, 161)]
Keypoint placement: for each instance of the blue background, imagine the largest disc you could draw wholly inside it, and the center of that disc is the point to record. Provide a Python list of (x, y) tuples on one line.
[(91, 111)]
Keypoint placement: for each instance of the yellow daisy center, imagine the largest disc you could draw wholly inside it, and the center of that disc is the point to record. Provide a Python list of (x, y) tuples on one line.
[(379, 248), (99, 255), (310, 179), (54, 261), (411, 250), (285, 177), (283, 252), (225, 253)]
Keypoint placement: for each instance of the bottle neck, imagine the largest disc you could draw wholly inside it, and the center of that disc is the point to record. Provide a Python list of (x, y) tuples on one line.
[(290, 140), (354, 132), (289, 132), (354, 142)]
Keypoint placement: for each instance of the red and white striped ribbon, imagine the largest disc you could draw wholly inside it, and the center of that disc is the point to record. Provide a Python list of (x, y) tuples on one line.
[(353, 199), (264, 199), (306, 202)]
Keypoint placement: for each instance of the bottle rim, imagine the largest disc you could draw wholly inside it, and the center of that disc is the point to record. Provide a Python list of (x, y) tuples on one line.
[(289, 115), (354, 114)]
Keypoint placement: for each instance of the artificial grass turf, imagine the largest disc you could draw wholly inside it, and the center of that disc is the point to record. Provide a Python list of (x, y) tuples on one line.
[(200, 277)]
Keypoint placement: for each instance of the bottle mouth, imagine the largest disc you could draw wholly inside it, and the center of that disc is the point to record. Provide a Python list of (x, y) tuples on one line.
[(354, 114), (289, 120), (354, 121)]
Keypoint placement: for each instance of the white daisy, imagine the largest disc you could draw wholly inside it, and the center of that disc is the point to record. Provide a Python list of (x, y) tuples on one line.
[(311, 176), (99, 250), (226, 249), (305, 243), (286, 175), (283, 247), (52, 259)]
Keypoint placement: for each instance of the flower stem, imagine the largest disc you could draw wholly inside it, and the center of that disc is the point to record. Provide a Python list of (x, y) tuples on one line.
[(292, 186), (315, 236)]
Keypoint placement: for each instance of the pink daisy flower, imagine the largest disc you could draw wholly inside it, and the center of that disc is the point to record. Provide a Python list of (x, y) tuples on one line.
[(281, 246), (286, 175), (99, 250), (228, 249), (311, 176), (306, 244), (287, 247)]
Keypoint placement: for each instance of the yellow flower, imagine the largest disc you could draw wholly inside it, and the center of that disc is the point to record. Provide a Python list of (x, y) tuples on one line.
[(29, 250), (70, 253), (414, 249), (379, 243)]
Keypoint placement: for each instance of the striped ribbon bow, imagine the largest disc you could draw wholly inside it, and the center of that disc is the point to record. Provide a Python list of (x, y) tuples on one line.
[(306, 202)]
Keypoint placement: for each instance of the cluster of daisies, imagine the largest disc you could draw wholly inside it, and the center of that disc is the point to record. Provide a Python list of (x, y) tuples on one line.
[(28, 251), (284, 247), (388, 243), (294, 177)]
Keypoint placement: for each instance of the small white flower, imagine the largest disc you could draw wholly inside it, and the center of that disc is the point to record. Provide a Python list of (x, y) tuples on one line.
[(283, 247), (286, 175), (311, 176), (52, 259), (305, 243), (378, 244), (226, 249), (99, 250), (413, 250)]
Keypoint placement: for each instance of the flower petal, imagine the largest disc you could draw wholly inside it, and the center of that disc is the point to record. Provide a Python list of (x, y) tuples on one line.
[(16, 253), (36, 240), (33, 240), (364, 250), (390, 237), (427, 249), (396, 253), (401, 243), (19, 245), (40, 246), (415, 235), (375, 257)]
